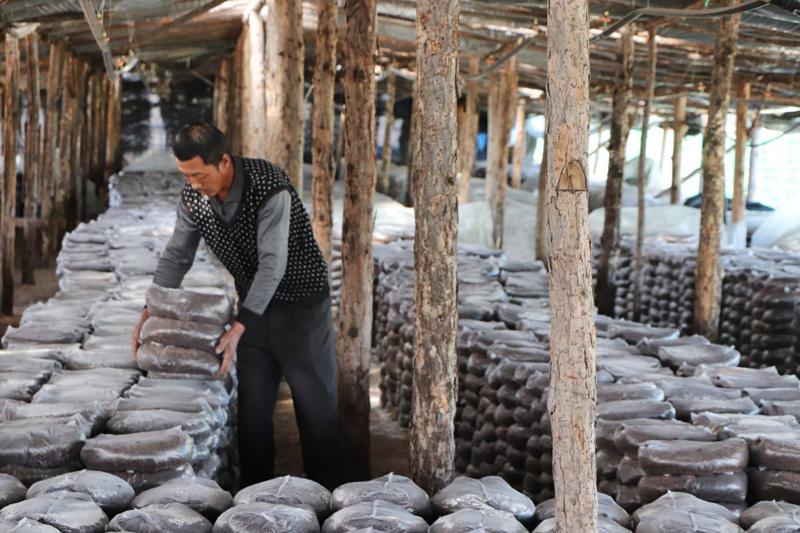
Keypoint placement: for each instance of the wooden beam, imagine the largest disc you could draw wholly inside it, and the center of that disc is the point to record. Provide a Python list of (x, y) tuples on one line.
[(469, 137), (386, 159), (222, 87), (519, 145), (113, 102), (58, 223), (355, 311), (284, 108), (8, 215), (50, 142), (708, 275), (237, 94), (255, 136), (432, 443), (32, 180), (572, 398), (739, 198), (642, 178), (620, 126), (679, 129), (80, 135), (323, 159)]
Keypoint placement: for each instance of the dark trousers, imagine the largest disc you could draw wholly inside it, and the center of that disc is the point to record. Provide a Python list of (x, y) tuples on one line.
[(295, 340)]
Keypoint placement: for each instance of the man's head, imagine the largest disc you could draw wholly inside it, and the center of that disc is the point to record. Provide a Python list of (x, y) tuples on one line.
[(201, 152)]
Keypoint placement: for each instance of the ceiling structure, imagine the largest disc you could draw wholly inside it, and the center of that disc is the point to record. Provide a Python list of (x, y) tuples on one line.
[(192, 36)]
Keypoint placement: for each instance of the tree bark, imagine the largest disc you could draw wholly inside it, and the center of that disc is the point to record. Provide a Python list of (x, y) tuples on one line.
[(501, 112), (355, 312), (49, 159), (79, 141), (738, 204), (519, 145), (58, 222), (285, 59), (237, 94), (412, 148), (679, 129), (324, 117), (541, 211), (386, 160), (755, 160), (255, 134), (708, 273), (572, 399), (11, 126), (32, 181), (469, 138), (432, 445), (115, 128), (642, 179), (609, 242)]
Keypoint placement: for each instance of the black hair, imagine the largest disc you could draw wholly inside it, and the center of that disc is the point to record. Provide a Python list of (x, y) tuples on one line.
[(200, 139)]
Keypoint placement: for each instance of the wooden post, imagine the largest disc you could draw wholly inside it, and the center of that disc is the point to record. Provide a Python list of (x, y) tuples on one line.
[(386, 160), (32, 181), (78, 141), (755, 159), (324, 117), (519, 145), (572, 398), (432, 443), (222, 88), (8, 216), (237, 94), (114, 126), (412, 147), (708, 273), (679, 129), (49, 159), (609, 241), (738, 204), (541, 211), (285, 59), (88, 132), (58, 222), (355, 312), (642, 179), (338, 167), (469, 133), (255, 134), (501, 111), (599, 143)]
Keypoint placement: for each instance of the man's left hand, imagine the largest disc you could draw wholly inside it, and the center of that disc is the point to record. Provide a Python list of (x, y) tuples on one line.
[(227, 345)]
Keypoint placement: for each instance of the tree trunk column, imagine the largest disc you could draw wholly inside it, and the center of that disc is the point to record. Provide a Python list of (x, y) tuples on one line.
[(541, 210), (738, 204), (432, 445), (254, 134), (9, 208), (708, 273), (222, 87), (49, 159), (32, 181), (519, 145), (642, 179), (609, 242), (469, 133), (355, 312), (386, 160), (679, 129), (324, 117), (285, 59), (573, 397)]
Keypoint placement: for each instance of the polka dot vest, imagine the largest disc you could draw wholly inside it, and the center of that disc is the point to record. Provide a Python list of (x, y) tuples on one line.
[(236, 244)]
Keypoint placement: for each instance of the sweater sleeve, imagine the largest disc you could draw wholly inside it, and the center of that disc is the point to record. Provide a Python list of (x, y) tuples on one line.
[(178, 256), (273, 252)]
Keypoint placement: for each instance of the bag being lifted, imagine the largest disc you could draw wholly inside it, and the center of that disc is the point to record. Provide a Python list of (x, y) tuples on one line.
[(207, 305)]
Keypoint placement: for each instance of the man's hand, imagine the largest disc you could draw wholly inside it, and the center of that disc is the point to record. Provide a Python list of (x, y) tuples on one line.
[(227, 345), (135, 340)]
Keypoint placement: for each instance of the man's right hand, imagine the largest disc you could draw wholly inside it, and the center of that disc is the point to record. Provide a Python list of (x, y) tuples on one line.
[(135, 340)]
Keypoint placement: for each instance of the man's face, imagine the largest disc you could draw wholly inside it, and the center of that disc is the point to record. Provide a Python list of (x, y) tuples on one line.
[(205, 179)]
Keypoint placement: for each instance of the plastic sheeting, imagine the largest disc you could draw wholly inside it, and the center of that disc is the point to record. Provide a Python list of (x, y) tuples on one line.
[(288, 490), (149, 451), (391, 488), (171, 517), (202, 495), (112, 494), (263, 517), (67, 512), (488, 493), (379, 515)]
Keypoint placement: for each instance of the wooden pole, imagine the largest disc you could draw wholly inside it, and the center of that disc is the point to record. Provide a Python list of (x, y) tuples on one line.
[(412, 147), (286, 54), (58, 222), (679, 129), (255, 135), (237, 94), (469, 137), (78, 141), (355, 312), (50, 142), (519, 145), (222, 88), (541, 211), (432, 443), (572, 398), (609, 242), (708, 273), (738, 204), (11, 126), (113, 155), (502, 100), (492, 139), (386, 160), (90, 127), (32, 181), (324, 117), (642, 179), (600, 143), (755, 159), (339, 168)]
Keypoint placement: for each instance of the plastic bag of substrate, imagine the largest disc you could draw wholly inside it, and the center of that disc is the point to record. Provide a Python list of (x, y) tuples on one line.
[(263, 517), (170, 517), (111, 493), (67, 512), (391, 488), (379, 515), (149, 451), (488, 493), (202, 495), (291, 491), (469, 520)]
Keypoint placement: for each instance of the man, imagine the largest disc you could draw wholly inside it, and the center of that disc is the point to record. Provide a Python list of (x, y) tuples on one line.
[(251, 217)]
